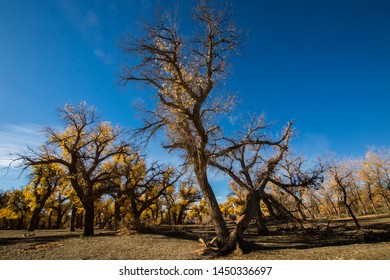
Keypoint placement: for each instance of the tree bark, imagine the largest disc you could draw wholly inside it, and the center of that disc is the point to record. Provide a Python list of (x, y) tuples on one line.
[(349, 208), (34, 219), (260, 222), (180, 216), (89, 217), (212, 204), (35, 215), (236, 236)]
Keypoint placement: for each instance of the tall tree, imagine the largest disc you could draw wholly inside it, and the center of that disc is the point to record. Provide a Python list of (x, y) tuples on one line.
[(185, 72), (83, 149)]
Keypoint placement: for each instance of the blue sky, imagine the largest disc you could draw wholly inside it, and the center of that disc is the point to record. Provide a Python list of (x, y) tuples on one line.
[(324, 63)]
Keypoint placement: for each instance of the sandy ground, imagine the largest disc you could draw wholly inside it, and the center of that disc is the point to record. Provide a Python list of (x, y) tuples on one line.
[(108, 245)]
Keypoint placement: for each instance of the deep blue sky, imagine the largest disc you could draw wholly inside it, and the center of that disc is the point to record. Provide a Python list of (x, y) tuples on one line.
[(324, 63)]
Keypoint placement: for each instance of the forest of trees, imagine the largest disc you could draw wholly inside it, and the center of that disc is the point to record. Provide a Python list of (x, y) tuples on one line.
[(89, 174), (89, 164)]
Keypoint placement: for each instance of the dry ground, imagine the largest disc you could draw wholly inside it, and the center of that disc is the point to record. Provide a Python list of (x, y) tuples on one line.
[(321, 241)]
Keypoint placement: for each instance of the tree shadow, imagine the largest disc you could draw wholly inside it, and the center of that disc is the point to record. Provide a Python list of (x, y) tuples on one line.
[(32, 239)]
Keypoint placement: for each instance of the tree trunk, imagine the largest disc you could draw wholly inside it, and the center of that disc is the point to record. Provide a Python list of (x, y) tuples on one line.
[(221, 229), (59, 217), (269, 206), (34, 219), (180, 216), (79, 220), (73, 218), (35, 215), (236, 236), (370, 197), (49, 226), (117, 214), (349, 208), (89, 217), (260, 222), (352, 215), (19, 223)]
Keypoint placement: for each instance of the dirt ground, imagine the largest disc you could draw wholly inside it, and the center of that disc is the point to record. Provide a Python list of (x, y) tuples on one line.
[(321, 240)]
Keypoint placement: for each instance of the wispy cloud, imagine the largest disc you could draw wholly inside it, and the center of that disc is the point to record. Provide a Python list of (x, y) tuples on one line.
[(15, 138), (107, 59)]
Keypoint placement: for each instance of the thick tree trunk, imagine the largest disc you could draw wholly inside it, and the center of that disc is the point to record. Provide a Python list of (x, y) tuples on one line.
[(89, 217), (250, 212), (180, 216), (34, 219), (219, 223), (35, 215), (19, 223)]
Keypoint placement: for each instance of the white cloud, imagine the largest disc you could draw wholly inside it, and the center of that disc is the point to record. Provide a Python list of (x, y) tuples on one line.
[(15, 138)]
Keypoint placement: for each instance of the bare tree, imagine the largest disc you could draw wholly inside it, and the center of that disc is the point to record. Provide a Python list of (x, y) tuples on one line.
[(343, 180), (83, 149), (185, 72), (254, 161)]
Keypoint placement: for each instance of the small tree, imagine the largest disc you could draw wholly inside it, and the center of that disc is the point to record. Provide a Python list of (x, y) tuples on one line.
[(181, 201), (45, 179), (15, 209), (343, 180), (375, 173), (139, 185)]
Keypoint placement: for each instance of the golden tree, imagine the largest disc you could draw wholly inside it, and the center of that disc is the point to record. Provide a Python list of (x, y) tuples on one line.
[(82, 149), (44, 181)]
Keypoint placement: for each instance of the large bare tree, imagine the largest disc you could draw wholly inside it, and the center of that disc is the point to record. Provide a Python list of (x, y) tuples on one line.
[(185, 71)]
